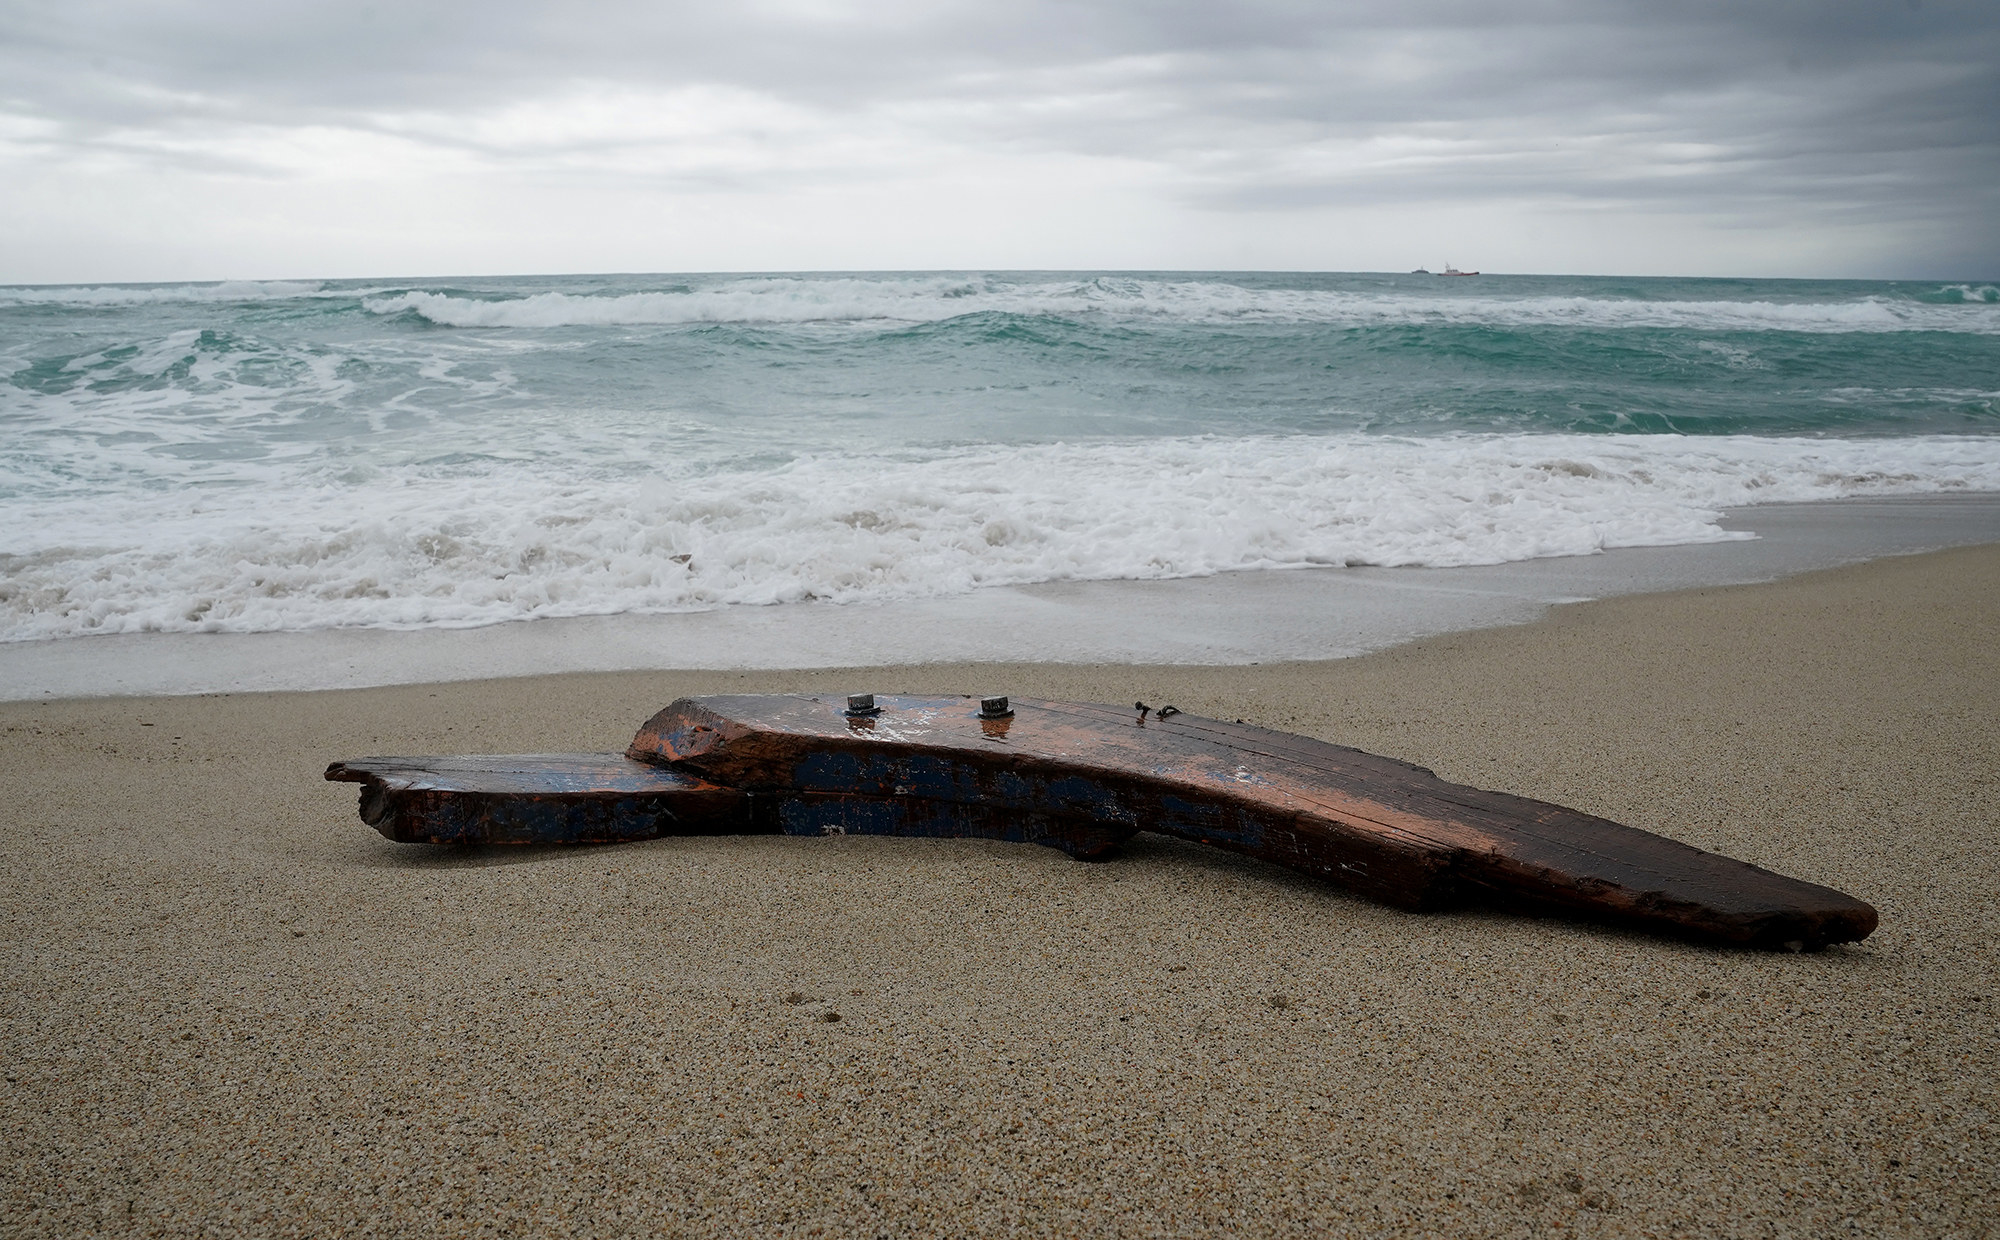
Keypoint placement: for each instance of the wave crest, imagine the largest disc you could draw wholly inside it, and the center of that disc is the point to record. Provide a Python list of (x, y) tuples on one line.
[(162, 294), (930, 299)]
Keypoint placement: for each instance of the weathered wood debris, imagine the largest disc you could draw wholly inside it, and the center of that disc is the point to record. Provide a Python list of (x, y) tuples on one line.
[(1085, 778), (535, 798)]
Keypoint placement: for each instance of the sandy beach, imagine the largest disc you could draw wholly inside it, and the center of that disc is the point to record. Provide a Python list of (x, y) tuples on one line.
[(231, 1009)]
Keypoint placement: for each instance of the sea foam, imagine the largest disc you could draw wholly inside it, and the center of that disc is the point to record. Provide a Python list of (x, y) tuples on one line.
[(160, 294), (254, 457), (496, 541), (931, 299)]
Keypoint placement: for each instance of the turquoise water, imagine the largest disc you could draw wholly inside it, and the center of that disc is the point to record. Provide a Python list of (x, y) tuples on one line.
[(248, 457)]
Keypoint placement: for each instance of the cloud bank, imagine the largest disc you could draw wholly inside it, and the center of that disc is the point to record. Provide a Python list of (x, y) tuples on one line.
[(203, 139)]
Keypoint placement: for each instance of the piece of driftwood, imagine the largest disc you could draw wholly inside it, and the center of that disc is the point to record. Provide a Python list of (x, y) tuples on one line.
[(536, 798), (607, 798), (1383, 828), (1084, 778)]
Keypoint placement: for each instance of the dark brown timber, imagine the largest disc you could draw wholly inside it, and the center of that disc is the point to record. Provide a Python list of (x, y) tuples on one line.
[(607, 798), (1380, 827), (536, 798)]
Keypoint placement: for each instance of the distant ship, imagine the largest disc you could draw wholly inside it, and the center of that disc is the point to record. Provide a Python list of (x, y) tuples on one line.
[(1450, 270)]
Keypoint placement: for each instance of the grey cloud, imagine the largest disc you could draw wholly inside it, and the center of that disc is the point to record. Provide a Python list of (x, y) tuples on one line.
[(318, 56), (1884, 106)]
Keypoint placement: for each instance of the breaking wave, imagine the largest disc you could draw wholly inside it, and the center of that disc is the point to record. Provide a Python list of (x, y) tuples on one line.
[(486, 542), (929, 299), (162, 294)]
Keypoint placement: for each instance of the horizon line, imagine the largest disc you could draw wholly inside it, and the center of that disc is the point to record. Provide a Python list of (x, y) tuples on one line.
[(1010, 271)]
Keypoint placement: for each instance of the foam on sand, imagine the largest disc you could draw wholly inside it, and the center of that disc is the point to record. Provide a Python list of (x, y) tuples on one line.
[(481, 542)]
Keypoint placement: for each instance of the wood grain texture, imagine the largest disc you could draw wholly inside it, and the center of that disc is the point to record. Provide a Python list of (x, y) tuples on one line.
[(1380, 827)]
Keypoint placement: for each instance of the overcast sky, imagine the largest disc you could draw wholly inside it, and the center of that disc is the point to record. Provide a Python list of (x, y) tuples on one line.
[(204, 139)]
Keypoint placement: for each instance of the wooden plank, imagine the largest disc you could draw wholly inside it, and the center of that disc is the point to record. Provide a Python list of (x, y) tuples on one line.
[(1383, 828), (548, 798), (588, 798)]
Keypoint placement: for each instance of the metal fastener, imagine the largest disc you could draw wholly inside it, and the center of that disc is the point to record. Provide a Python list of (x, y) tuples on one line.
[(862, 704), (994, 708)]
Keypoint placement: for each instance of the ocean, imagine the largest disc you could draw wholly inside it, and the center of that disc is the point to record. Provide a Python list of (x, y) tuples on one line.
[(418, 454)]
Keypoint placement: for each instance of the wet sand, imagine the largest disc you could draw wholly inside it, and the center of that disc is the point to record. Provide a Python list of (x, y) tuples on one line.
[(231, 1009)]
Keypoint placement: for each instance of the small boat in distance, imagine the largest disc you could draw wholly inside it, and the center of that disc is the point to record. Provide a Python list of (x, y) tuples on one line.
[(1421, 271), (1450, 270)]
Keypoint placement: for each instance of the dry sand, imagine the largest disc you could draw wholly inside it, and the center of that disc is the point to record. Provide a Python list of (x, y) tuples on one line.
[(231, 1009)]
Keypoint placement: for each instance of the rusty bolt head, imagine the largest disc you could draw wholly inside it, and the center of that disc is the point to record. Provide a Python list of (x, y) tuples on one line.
[(994, 708), (862, 704)]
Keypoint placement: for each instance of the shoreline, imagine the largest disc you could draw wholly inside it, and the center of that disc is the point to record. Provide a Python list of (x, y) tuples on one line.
[(233, 1009), (1230, 619)]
